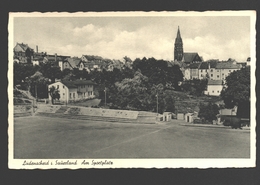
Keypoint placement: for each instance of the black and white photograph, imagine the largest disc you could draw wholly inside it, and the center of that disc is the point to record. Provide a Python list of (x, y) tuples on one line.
[(132, 90)]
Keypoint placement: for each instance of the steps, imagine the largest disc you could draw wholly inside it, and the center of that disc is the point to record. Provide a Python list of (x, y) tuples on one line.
[(96, 115), (86, 117)]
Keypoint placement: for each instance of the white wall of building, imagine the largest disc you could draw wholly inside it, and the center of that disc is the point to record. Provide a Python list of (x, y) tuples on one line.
[(63, 90), (214, 90)]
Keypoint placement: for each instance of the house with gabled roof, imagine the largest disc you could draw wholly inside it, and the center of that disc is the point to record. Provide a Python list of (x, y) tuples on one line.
[(69, 63), (191, 71), (214, 87), (91, 62), (74, 90), (23, 53)]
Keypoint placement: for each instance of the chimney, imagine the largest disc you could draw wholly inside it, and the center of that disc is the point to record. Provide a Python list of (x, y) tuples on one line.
[(36, 49)]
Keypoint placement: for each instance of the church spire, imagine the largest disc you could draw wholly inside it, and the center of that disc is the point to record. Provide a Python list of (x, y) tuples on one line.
[(178, 47), (178, 34)]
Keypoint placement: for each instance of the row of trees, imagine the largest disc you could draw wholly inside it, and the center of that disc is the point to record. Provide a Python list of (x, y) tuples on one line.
[(138, 87)]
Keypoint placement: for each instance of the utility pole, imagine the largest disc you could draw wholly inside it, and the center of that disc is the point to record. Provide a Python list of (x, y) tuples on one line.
[(157, 103), (36, 92), (105, 98)]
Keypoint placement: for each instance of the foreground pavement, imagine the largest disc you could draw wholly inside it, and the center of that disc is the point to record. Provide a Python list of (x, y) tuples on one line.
[(57, 138)]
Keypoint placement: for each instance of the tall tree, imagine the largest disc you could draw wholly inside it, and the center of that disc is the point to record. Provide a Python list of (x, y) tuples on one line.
[(237, 92), (37, 83), (132, 93), (54, 93), (208, 111)]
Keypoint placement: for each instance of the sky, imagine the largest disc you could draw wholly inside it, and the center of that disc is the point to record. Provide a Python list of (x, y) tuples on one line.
[(113, 37)]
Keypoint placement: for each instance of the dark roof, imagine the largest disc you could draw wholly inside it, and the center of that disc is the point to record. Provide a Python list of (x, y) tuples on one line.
[(92, 57), (74, 62), (179, 63), (194, 65), (204, 65), (214, 82), (213, 63), (227, 65), (76, 83), (190, 57), (23, 46)]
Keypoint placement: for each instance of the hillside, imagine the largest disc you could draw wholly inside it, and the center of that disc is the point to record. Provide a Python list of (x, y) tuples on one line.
[(186, 103)]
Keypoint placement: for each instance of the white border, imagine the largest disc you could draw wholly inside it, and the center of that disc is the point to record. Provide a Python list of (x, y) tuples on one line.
[(137, 163)]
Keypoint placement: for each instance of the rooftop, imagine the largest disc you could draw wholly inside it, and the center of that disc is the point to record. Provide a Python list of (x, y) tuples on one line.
[(214, 82), (76, 83)]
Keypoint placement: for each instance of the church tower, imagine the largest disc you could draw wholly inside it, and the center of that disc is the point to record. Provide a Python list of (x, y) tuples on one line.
[(178, 47)]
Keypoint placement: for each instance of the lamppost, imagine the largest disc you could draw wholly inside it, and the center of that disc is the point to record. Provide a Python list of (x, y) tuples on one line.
[(105, 97)]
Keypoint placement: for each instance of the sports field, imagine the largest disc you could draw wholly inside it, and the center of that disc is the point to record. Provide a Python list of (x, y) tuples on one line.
[(39, 137)]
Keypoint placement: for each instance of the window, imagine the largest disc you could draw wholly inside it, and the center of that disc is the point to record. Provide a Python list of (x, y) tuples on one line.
[(217, 76), (70, 95), (206, 70), (211, 75), (57, 86), (217, 70), (201, 75), (222, 74), (201, 70), (211, 70), (63, 87), (218, 91), (73, 95), (213, 91), (229, 70)]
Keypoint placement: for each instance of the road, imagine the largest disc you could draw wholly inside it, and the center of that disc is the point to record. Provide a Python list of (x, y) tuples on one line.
[(56, 138)]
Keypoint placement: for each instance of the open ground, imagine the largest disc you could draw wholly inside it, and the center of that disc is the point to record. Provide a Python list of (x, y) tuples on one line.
[(38, 137)]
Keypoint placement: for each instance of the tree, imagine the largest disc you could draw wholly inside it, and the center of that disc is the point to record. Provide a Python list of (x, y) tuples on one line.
[(195, 86), (132, 93), (22, 71), (38, 81), (208, 111), (54, 93), (237, 92), (51, 71)]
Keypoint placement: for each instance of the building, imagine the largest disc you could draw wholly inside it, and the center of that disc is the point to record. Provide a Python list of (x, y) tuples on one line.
[(203, 70), (92, 62), (193, 71), (223, 69), (214, 87), (74, 90), (69, 63), (23, 53), (178, 47), (190, 58)]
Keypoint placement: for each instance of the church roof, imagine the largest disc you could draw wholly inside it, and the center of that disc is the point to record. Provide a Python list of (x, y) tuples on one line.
[(189, 57)]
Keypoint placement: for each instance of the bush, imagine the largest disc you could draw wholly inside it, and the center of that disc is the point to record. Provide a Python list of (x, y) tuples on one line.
[(197, 121), (208, 112)]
